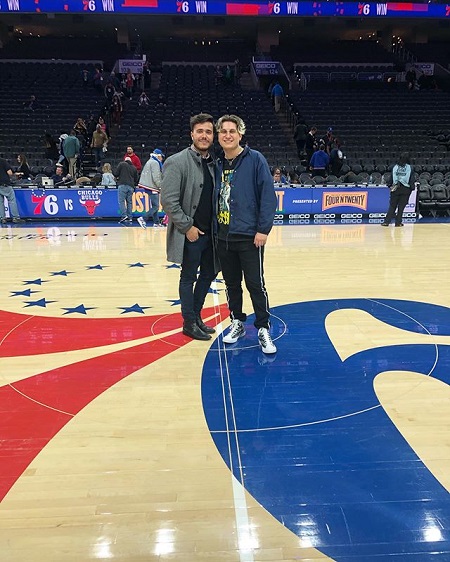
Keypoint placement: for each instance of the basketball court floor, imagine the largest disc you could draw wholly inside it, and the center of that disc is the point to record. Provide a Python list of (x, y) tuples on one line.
[(121, 439)]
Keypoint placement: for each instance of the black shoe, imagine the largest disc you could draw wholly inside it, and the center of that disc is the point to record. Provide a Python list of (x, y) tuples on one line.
[(193, 331), (397, 225), (384, 224), (203, 327), (4, 221)]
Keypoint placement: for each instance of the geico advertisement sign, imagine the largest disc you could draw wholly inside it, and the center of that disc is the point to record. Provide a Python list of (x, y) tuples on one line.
[(136, 66)]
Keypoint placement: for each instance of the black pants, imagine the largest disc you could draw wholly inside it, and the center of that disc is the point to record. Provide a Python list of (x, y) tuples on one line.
[(397, 202), (239, 259), (300, 147), (198, 254)]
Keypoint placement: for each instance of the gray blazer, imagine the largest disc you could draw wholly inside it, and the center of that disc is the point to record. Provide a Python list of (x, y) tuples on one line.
[(180, 194)]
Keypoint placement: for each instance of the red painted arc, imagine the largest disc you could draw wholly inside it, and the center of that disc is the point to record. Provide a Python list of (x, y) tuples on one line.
[(35, 409), (44, 334)]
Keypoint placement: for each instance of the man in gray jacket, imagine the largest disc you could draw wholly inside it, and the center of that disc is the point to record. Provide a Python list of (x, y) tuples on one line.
[(187, 198)]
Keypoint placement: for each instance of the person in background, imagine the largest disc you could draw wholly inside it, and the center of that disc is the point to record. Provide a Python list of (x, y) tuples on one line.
[(246, 205), (85, 75), (108, 179), (98, 143), (319, 162), (277, 93), (310, 144), (81, 130), (300, 132), (6, 191), (336, 158), (150, 180), (278, 177), (187, 198), (129, 84), (23, 171), (104, 126), (127, 179), (402, 186), (116, 109), (59, 178), (134, 158), (71, 149)]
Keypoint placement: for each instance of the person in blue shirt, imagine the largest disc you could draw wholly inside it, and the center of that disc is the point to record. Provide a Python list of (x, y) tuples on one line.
[(402, 186), (277, 93), (319, 162)]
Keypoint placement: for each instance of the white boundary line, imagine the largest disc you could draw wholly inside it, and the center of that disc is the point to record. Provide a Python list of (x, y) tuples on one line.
[(246, 542)]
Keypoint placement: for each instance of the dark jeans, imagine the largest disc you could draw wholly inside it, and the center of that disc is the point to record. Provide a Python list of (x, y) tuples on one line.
[(244, 259), (154, 207), (193, 289), (125, 198), (397, 201), (98, 154)]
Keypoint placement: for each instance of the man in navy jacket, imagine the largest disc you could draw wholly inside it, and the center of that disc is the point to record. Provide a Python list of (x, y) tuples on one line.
[(246, 205)]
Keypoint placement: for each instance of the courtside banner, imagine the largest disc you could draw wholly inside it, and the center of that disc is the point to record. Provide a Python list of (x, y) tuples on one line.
[(76, 203), (97, 202), (337, 200)]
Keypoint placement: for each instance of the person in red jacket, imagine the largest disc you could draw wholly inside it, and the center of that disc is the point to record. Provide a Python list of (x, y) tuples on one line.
[(134, 158)]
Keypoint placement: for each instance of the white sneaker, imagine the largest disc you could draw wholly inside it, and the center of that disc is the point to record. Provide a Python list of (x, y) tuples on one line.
[(142, 222), (236, 331), (265, 341)]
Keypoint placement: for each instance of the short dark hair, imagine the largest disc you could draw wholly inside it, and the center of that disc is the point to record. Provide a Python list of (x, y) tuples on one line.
[(404, 159), (201, 118)]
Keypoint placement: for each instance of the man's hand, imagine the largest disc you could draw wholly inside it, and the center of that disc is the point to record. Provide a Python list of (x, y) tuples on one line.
[(260, 239), (193, 234)]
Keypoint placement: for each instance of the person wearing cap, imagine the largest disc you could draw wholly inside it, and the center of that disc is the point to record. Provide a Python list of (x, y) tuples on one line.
[(151, 179)]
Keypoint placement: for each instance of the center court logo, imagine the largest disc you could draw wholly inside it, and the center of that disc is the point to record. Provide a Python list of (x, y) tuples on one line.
[(332, 199), (341, 421)]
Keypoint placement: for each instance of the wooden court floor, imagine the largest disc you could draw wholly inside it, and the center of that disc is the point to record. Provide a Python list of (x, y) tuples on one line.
[(121, 439)]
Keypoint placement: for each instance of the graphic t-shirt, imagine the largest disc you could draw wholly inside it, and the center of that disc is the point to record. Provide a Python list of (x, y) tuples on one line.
[(223, 211)]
